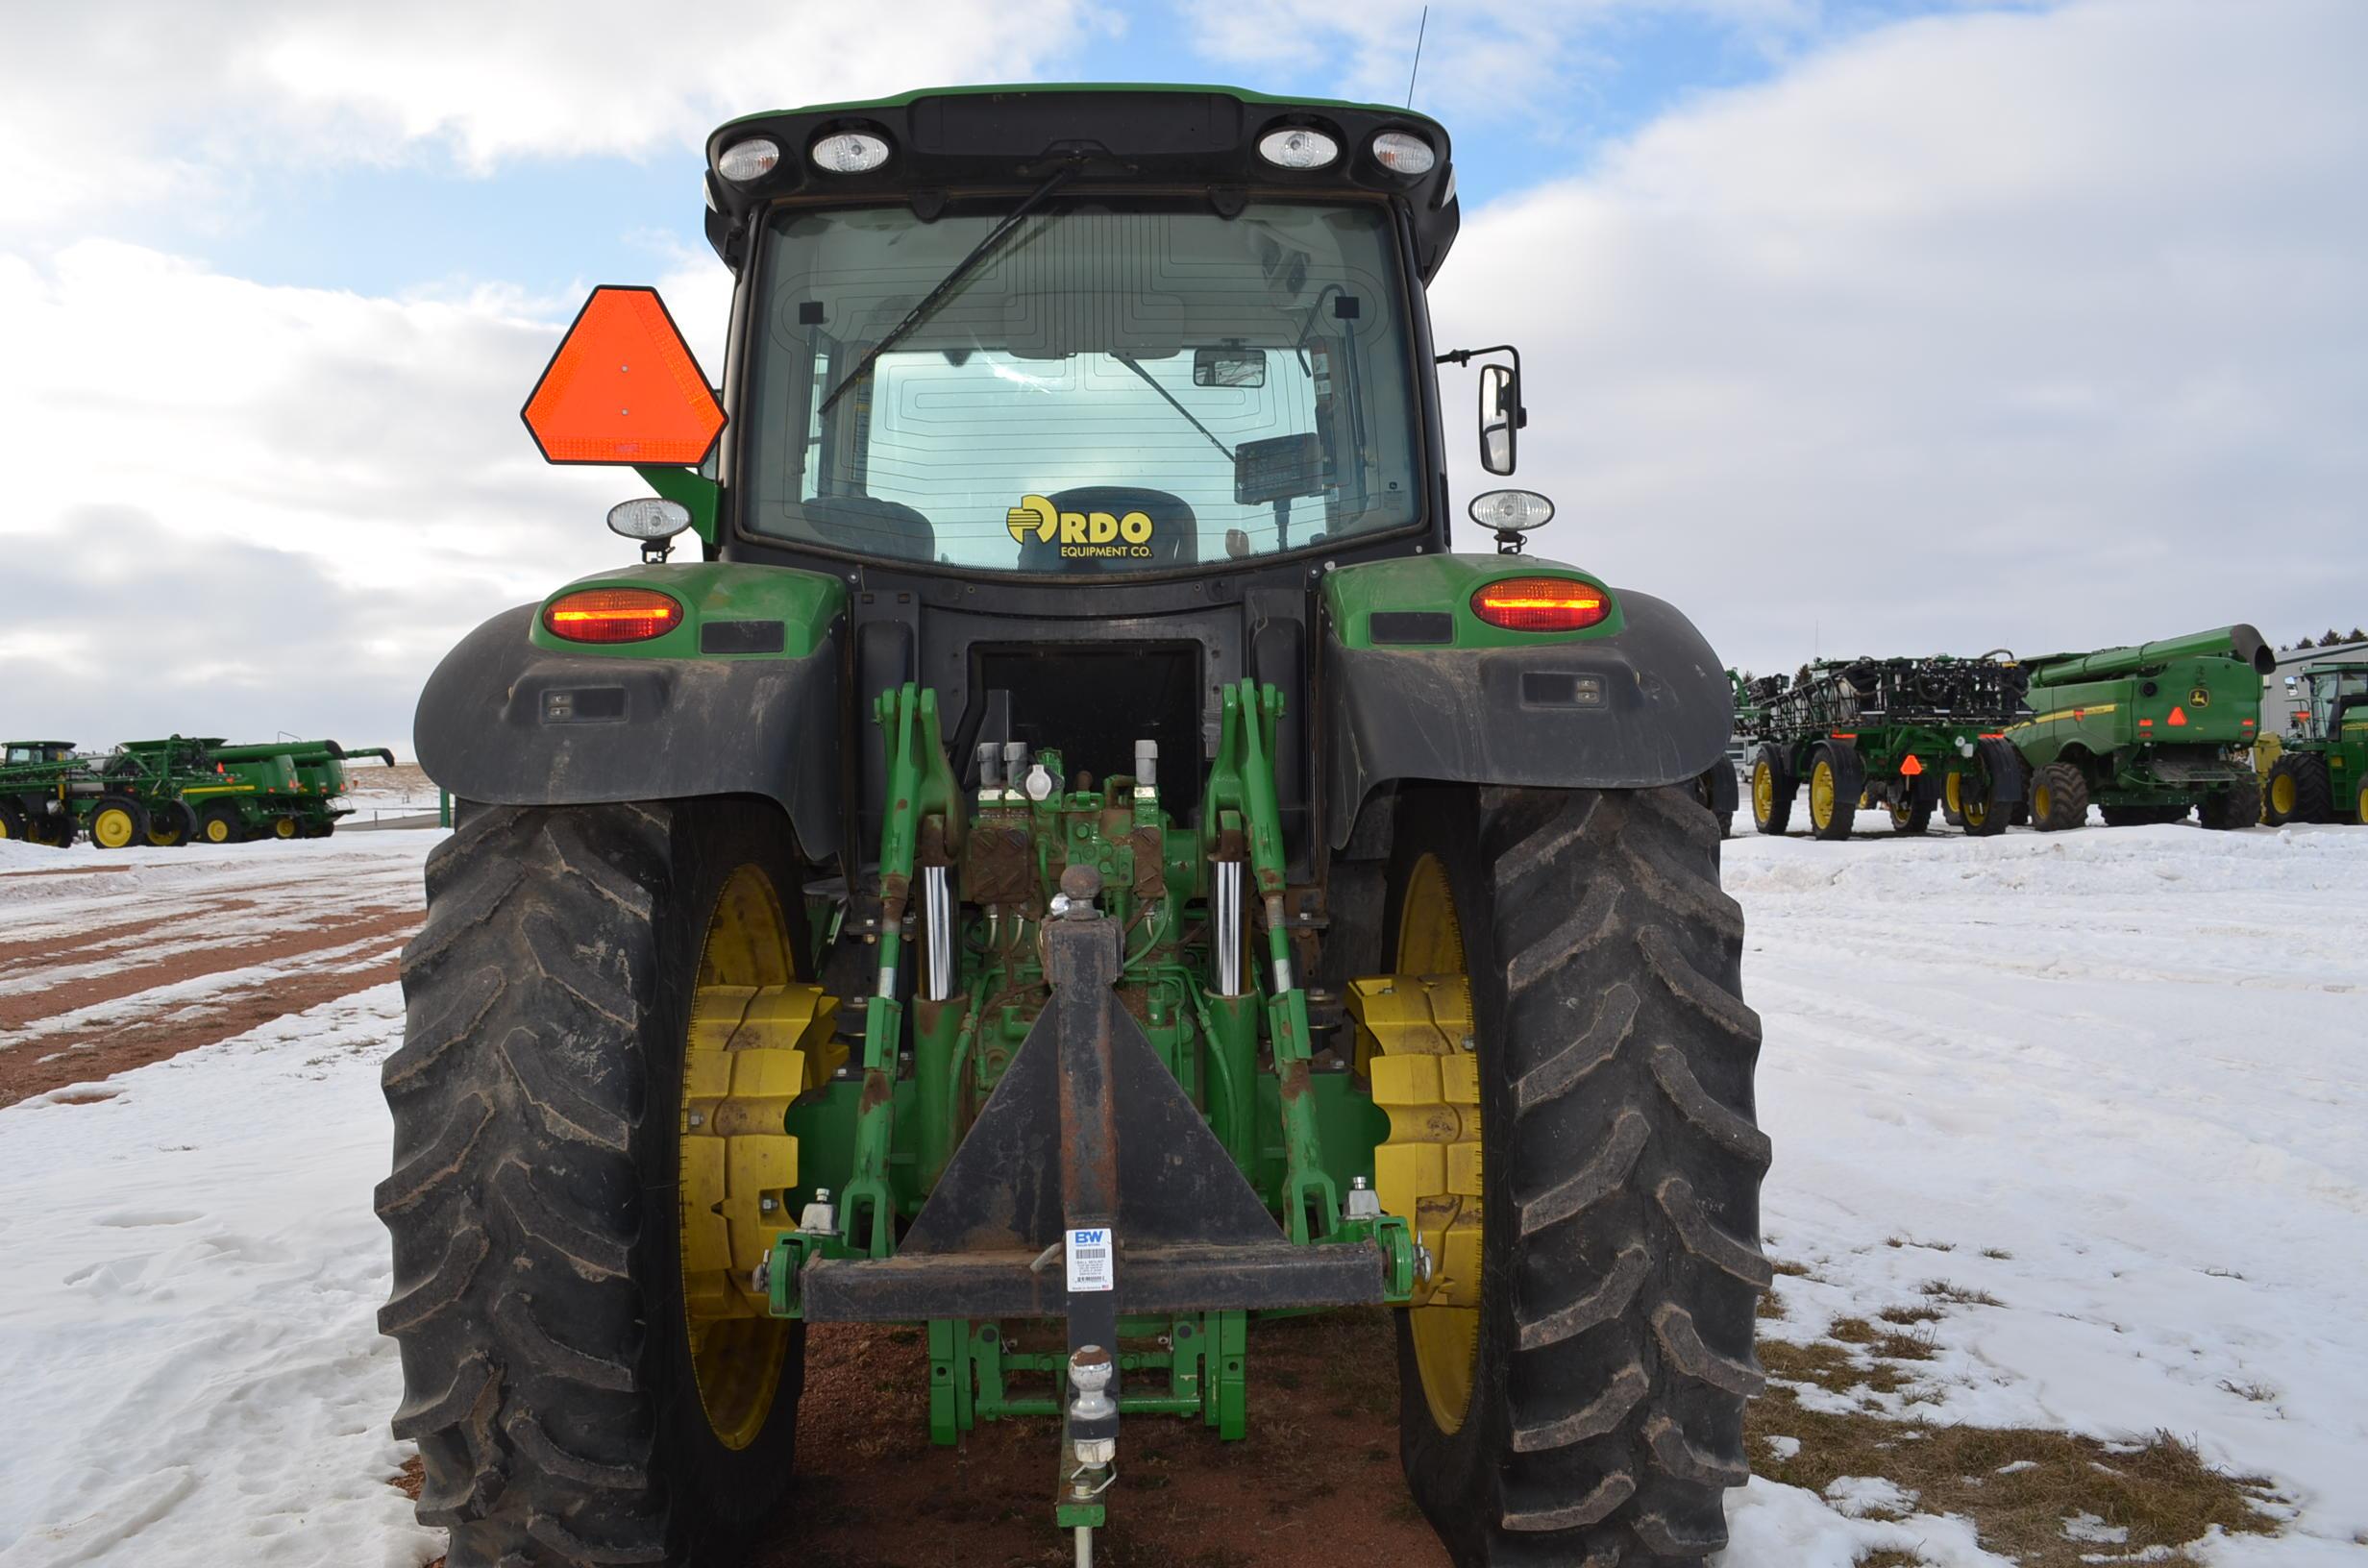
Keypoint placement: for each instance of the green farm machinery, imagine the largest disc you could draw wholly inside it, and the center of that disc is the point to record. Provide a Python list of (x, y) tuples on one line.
[(1909, 735), (2147, 733), (1074, 860), (274, 789), (49, 793), (205, 789), (46, 789), (2321, 773)]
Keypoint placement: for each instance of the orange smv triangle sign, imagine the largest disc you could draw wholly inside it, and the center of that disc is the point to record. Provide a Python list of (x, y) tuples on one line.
[(623, 389)]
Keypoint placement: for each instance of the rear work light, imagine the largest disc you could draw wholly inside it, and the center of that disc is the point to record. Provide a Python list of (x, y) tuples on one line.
[(1541, 604), (611, 614)]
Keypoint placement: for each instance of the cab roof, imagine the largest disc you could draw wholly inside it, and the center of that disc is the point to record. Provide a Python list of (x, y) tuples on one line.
[(944, 140)]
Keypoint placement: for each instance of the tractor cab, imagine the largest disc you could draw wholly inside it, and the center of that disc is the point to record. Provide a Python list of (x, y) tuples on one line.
[(18, 753), (2327, 696)]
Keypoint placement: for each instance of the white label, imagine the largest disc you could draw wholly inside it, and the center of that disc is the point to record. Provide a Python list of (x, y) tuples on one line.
[(1089, 1260)]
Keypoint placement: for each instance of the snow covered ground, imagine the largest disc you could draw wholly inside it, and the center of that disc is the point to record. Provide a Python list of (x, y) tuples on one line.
[(2135, 1060), (2114, 1080)]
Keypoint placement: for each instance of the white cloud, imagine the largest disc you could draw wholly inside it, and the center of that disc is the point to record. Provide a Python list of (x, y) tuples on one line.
[(2041, 329), (229, 502), (105, 106)]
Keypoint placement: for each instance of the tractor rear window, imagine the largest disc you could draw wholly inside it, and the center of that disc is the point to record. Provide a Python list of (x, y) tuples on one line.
[(1113, 386)]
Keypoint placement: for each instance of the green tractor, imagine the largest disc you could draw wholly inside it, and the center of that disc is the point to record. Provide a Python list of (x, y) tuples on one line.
[(2321, 773), (44, 787), (1075, 862), (2148, 733)]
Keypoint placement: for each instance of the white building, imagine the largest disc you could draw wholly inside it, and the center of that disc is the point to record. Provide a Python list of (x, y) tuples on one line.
[(2281, 689)]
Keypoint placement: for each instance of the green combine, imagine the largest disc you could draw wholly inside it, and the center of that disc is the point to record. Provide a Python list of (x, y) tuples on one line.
[(1073, 859), (1907, 735), (2321, 773), (275, 788), (2147, 734)]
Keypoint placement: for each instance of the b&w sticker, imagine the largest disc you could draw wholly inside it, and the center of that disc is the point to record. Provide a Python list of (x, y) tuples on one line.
[(1089, 1260)]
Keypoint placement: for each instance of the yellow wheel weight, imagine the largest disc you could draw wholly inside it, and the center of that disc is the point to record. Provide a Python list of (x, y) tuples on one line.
[(756, 1039), (1415, 1042)]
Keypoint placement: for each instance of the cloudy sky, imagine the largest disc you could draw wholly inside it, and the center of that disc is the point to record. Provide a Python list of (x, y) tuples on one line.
[(1853, 324)]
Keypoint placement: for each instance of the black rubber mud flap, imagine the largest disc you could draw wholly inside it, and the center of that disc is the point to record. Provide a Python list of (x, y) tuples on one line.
[(504, 722), (1647, 707)]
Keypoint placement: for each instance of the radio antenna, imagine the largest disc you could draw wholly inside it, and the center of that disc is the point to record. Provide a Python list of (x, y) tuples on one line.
[(1420, 28)]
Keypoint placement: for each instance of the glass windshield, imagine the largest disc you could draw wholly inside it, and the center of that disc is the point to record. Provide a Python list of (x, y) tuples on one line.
[(1120, 385)]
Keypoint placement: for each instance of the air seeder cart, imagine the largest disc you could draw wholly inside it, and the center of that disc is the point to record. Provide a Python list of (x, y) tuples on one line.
[(2320, 774), (1075, 860), (1909, 735), (2148, 733)]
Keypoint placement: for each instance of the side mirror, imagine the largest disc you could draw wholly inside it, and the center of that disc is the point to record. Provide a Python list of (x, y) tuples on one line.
[(1500, 417)]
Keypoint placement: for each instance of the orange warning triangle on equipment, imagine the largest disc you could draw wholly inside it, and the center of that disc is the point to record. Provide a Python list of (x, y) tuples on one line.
[(1912, 767), (623, 389)]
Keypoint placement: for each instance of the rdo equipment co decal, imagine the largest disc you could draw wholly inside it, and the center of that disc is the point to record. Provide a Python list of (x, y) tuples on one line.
[(1081, 534)]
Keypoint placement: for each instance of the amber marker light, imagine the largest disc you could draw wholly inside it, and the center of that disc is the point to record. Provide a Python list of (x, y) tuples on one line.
[(1541, 604), (611, 614)]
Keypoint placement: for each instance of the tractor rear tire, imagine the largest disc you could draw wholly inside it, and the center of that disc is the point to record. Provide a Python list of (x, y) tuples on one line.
[(1995, 759), (1772, 792), (1837, 782), (2239, 805), (537, 1099), (1620, 1167), (1910, 816), (2299, 790), (2059, 798), (11, 820)]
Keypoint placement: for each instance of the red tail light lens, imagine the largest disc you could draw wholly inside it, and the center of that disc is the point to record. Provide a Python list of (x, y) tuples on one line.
[(1541, 604), (611, 614)]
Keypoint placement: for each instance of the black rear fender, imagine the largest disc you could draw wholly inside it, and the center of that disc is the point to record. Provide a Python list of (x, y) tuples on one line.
[(504, 722)]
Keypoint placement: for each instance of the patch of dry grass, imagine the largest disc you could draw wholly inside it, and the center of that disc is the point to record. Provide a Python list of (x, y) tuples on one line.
[(2016, 1485)]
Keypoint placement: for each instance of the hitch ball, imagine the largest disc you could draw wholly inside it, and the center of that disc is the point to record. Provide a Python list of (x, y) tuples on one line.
[(1092, 1409)]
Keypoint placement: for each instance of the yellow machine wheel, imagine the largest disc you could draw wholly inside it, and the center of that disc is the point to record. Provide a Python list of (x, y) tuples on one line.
[(745, 961), (220, 830), (114, 824), (1445, 1329), (2359, 807), (284, 828), (2280, 796)]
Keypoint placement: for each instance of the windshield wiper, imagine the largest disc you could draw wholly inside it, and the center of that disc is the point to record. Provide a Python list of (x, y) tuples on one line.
[(930, 302), (1132, 363)]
